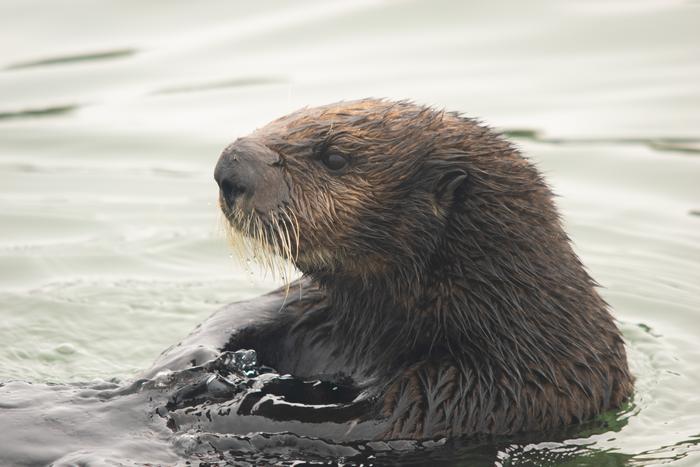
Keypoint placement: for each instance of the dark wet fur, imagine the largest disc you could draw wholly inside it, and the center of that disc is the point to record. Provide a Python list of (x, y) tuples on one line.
[(439, 279), (441, 298)]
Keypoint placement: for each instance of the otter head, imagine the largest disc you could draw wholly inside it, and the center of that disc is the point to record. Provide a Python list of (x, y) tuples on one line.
[(352, 190)]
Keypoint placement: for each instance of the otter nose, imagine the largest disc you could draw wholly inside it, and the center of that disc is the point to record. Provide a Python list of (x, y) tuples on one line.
[(234, 177), (229, 185), (248, 169)]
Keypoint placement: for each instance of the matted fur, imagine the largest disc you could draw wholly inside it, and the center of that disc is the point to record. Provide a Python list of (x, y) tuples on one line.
[(439, 277)]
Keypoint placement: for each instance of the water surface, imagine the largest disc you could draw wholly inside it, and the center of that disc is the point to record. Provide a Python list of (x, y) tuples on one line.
[(112, 117)]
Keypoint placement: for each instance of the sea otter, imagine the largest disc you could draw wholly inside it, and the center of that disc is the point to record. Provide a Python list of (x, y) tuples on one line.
[(440, 298), (437, 278)]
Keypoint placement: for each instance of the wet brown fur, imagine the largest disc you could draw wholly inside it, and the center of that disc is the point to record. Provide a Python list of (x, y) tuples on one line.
[(438, 275)]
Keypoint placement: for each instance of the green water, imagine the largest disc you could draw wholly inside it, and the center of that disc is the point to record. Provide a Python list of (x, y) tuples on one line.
[(112, 116)]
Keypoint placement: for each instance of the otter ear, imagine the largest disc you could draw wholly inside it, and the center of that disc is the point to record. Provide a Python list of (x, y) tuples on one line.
[(451, 185)]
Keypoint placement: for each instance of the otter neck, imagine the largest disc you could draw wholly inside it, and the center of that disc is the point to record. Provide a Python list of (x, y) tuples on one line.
[(490, 296)]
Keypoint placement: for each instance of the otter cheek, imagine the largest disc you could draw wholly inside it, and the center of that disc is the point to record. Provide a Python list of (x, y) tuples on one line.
[(271, 191)]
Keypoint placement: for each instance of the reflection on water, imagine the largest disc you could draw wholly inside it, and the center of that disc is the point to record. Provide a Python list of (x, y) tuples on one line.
[(110, 245), (45, 112), (689, 145), (87, 57), (231, 83)]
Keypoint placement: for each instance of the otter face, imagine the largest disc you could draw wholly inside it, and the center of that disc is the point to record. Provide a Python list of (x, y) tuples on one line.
[(348, 188)]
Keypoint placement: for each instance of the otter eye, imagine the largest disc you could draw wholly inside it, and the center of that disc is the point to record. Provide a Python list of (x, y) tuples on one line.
[(334, 161)]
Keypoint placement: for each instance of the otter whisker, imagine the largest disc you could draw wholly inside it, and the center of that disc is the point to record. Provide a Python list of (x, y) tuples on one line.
[(287, 241), (282, 247), (277, 243), (296, 230), (261, 249), (264, 239)]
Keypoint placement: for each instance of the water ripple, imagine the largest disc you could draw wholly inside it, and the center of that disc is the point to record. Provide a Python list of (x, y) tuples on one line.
[(39, 112), (230, 83), (77, 58), (690, 145)]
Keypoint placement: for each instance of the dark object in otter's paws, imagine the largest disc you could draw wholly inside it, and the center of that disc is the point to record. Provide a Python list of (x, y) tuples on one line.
[(439, 279)]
